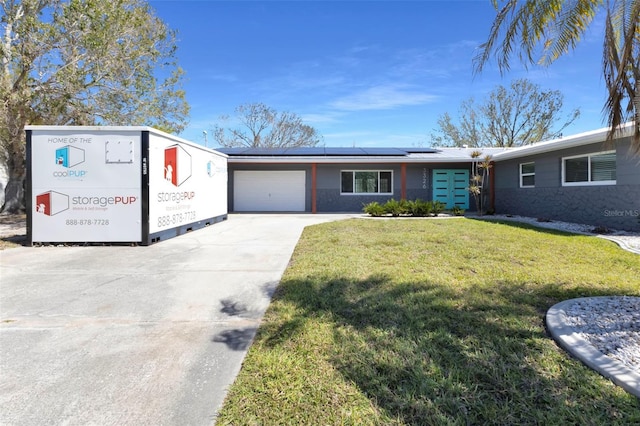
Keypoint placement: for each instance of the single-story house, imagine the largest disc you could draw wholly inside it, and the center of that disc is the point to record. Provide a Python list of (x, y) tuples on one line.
[(579, 178)]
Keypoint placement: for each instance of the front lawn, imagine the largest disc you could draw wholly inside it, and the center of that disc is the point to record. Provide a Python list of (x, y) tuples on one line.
[(430, 322)]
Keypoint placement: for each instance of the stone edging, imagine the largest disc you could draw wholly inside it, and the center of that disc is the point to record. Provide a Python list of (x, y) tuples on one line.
[(623, 245), (569, 340)]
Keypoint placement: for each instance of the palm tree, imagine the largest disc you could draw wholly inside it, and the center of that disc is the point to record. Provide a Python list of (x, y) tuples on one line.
[(556, 27)]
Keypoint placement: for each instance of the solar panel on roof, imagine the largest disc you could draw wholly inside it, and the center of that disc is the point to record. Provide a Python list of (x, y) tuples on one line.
[(308, 150), (415, 150), (325, 151), (384, 151), (336, 151)]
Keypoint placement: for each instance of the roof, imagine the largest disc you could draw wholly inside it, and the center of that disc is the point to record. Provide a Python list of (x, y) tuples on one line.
[(586, 138), (352, 155), (409, 155), (323, 151)]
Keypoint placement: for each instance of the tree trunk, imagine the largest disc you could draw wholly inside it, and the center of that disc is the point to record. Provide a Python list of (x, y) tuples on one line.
[(14, 196), (14, 201)]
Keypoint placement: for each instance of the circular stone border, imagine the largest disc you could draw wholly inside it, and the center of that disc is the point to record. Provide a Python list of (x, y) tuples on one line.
[(622, 243), (580, 348)]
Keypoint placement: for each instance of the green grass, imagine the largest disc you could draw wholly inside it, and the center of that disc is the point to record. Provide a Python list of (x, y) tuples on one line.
[(430, 322)]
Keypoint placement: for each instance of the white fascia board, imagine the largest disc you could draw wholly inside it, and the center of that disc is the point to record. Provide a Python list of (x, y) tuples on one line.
[(586, 138)]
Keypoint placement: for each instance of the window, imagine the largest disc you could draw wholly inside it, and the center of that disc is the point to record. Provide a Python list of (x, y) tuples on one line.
[(527, 175), (366, 182), (591, 169)]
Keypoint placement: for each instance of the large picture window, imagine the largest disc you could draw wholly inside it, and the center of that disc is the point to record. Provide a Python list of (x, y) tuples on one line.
[(366, 182), (591, 169), (527, 175)]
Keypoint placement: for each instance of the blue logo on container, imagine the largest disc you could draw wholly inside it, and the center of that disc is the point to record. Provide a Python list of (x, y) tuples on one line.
[(69, 156)]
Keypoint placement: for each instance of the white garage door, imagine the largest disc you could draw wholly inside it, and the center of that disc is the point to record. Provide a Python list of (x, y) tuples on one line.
[(269, 191)]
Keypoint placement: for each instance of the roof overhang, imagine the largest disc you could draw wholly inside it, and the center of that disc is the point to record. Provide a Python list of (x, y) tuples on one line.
[(331, 155), (594, 136)]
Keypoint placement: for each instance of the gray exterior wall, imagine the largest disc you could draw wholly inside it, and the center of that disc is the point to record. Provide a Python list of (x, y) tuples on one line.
[(614, 206), (328, 182), (328, 197), (420, 181)]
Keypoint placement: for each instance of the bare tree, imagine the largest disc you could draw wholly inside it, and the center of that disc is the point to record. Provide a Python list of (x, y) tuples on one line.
[(519, 115), (262, 126)]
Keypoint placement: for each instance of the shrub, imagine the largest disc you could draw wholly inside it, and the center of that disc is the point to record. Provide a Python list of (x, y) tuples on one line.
[(417, 208), (374, 209), (394, 207), (438, 207), (420, 208), (601, 230), (405, 207), (457, 211)]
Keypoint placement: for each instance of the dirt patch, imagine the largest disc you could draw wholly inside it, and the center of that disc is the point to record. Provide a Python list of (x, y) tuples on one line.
[(13, 230), (13, 219)]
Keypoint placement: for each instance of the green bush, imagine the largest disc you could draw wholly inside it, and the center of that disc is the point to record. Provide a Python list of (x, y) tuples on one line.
[(420, 208), (417, 208), (374, 209), (457, 211), (405, 207), (394, 207), (438, 207)]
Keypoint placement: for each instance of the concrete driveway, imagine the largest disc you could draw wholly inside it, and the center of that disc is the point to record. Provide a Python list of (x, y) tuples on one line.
[(137, 335)]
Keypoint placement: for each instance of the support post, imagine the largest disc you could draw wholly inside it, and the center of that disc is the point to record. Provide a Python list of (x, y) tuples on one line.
[(403, 181), (492, 186), (314, 169)]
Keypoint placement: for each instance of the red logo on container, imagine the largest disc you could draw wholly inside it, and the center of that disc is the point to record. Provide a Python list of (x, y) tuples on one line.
[(177, 165), (51, 203)]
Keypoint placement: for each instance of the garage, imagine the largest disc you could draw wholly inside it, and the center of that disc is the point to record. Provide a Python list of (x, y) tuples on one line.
[(269, 191)]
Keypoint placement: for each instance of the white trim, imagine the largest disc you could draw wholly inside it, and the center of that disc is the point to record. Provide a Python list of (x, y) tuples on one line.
[(594, 183), (522, 175), (588, 182), (378, 171)]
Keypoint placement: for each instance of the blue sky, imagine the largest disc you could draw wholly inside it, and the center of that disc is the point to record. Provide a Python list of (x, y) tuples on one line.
[(363, 73)]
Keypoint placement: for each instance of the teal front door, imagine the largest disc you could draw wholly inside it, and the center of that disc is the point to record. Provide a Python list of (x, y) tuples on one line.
[(450, 187)]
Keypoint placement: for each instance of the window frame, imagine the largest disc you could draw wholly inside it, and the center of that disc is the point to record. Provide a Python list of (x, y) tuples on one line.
[(523, 175), (353, 181), (588, 182)]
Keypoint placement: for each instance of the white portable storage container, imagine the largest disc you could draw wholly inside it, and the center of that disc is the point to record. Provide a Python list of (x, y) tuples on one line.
[(119, 185)]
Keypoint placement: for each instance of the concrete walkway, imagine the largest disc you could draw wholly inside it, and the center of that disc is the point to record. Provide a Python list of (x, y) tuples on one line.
[(137, 335)]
